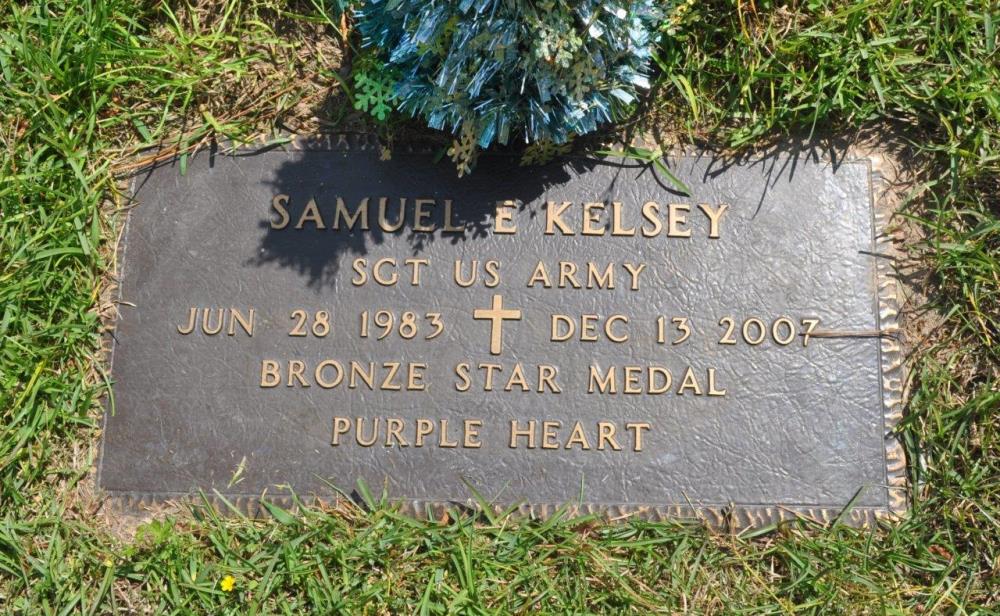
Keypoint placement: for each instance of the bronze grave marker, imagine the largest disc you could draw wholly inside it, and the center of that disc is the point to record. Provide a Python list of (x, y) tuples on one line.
[(575, 333)]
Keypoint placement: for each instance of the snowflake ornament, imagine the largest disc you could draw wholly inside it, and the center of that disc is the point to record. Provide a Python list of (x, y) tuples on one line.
[(464, 151), (442, 43), (373, 90), (543, 151), (583, 74)]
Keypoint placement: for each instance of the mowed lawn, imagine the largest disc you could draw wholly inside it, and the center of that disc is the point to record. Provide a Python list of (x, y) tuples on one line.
[(88, 85)]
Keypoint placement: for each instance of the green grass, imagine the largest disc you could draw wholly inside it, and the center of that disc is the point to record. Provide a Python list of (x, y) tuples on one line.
[(86, 84)]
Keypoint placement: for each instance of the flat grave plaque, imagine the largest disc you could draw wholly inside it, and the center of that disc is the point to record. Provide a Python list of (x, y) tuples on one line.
[(576, 333)]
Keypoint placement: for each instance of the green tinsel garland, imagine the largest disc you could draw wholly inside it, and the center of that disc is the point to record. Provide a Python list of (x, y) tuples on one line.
[(487, 69)]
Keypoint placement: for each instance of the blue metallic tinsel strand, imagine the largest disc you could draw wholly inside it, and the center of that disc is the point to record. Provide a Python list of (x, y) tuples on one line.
[(546, 69)]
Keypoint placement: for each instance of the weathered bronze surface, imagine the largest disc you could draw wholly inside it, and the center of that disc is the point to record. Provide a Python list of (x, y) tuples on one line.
[(580, 332)]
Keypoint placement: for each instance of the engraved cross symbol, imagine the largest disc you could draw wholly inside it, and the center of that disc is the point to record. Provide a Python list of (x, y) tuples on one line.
[(497, 314)]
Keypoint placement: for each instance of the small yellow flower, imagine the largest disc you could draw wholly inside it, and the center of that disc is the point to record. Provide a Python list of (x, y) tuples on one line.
[(228, 583), (108, 562)]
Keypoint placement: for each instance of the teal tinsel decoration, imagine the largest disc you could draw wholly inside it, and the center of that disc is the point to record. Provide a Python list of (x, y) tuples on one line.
[(545, 68)]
